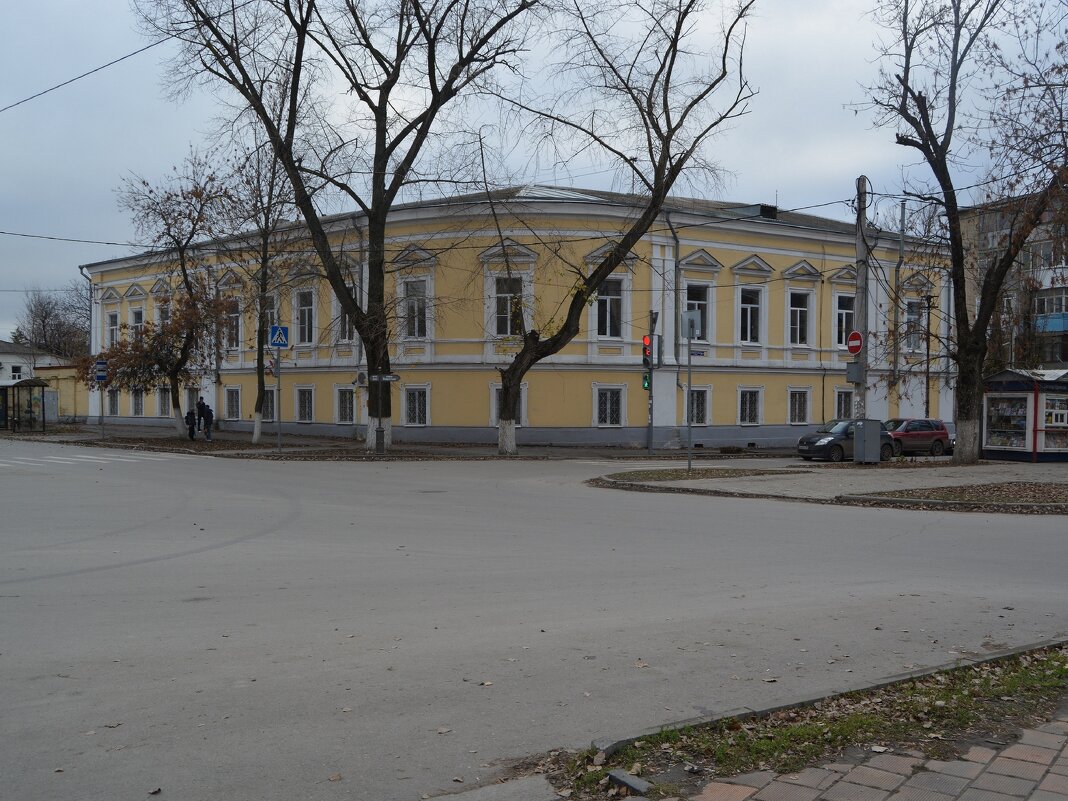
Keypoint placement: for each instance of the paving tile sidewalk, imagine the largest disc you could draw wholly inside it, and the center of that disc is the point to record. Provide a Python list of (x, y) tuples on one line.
[(1035, 768)]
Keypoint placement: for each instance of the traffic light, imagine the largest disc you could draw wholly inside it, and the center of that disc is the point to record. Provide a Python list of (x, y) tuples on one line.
[(647, 362)]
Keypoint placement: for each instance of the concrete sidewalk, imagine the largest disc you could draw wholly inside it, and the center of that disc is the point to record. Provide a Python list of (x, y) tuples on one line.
[(800, 480)]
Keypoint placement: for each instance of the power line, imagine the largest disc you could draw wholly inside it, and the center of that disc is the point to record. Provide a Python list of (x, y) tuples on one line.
[(83, 75)]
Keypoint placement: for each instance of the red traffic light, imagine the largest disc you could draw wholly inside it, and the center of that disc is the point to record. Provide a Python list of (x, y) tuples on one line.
[(646, 340)]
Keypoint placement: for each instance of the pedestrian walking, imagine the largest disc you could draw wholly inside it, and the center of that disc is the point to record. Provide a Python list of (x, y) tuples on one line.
[(201, 406), (209, 418), (191, 424)]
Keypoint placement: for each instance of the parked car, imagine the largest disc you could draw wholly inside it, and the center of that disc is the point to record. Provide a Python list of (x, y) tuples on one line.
[(920, 435), (833, 441)]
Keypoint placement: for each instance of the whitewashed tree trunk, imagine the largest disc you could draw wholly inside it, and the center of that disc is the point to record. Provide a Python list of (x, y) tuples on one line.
[(257, 427), (506, 438), (372, 432), (179, 422), (967, 448)]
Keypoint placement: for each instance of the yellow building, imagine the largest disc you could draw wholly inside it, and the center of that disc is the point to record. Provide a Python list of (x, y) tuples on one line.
[(772, 295)]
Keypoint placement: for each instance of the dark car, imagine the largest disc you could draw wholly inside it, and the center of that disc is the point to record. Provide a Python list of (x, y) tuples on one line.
[(920, 435), (833, 441)]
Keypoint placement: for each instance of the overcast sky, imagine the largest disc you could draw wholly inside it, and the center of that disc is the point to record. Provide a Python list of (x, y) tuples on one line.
[(64, 154)]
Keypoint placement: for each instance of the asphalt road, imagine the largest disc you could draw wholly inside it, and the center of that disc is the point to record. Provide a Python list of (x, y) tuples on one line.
[(225, 629)]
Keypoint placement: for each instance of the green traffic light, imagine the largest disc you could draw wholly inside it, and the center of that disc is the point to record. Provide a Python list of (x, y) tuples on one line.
[(646, 381)]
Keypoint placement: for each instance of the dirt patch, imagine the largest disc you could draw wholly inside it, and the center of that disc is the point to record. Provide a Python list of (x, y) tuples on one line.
[(1009, 492)]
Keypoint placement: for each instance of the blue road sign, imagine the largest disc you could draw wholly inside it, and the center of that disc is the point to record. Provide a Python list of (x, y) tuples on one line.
[(101, 370), (279, 336)]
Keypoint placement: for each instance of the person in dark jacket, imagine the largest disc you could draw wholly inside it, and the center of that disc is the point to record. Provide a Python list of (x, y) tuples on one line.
[(209, 418), (191, 424), (201, 406)]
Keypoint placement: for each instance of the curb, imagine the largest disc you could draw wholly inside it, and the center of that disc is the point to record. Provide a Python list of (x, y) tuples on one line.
[(918, 504), (537, 788)]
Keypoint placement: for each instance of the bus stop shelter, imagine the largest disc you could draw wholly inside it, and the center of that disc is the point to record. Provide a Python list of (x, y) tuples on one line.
[(22, 405)]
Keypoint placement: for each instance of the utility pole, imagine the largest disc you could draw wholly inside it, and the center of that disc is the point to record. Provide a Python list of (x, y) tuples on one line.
[(860, 303), (896, 321)]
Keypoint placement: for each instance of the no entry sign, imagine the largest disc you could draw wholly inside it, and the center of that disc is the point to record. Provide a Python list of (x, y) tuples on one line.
[(854, 342)]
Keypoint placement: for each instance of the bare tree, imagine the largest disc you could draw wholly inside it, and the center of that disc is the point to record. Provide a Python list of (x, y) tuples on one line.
[(57, 321), (931, 91), (647, 93), (176, 217), (402, 62)]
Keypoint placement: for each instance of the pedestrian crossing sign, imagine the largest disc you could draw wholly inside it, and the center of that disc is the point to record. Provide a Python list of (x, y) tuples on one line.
[(279, 336)]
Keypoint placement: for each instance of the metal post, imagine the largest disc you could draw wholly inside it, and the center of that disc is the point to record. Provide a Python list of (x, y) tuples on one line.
[(278, 393), (380, 434), (689, 397), (861, 302), (927, 360)]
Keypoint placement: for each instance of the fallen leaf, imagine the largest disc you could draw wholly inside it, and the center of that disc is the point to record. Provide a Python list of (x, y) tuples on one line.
[(641, 663), (335, 777), (770, 680), (443, 729), (485, 684), (157, 791), (458, 779)]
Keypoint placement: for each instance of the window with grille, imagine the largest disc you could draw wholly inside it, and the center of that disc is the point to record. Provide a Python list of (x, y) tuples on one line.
[(610, 309), (749, 316), (305, 317), (113, 402), (233, 403), (509, 306), (609, 407), (843, 403), (305, 405), (697, 300), (138, 403), (798, 405), (267, 413), (497, 395), (698, 407), (799, 318), (843, 318), (415, 309), (137, 321), (345, 406), (163, 402), (749, 406), (415, 406)]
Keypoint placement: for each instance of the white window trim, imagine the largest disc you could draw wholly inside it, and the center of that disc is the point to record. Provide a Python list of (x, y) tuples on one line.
[(705, 388), (597, 387), (339, 319), (808, 405), (760, 405), (762, 323), (259, 312), (295, 340), (163, 393), (810, 333), (708, 335), (404, 407), (130, 318), (296, 403), (337, 405), (133, 402), (494, 419), (225, 410), (913, 340), (240, 331), (490, 295), (112, 411), (852, 400), (624, 310), (108, 341), (834, 318), (402, 330)]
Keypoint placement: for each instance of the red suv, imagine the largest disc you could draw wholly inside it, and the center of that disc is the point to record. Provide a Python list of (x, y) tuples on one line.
[(913, 435)]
